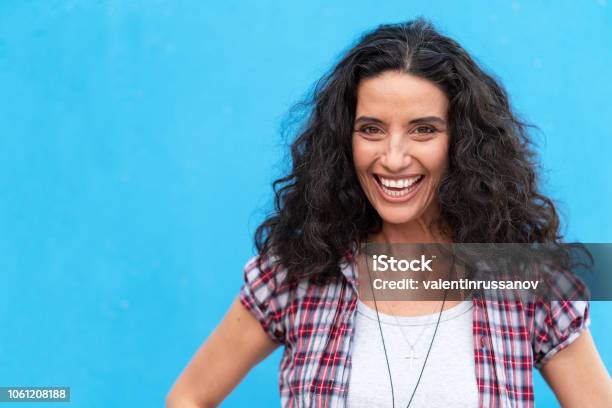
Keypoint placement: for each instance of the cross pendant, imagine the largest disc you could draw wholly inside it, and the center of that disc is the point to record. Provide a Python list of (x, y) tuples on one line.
[(412, 357)]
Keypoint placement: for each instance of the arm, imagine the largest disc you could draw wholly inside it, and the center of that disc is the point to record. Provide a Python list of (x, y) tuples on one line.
[(577, 375), (234, 347)]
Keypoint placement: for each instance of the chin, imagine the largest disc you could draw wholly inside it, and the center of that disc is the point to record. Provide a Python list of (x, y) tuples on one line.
[(397, 217)]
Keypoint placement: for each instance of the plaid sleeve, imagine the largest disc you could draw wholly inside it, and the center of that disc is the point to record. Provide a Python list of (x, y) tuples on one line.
[(264, 296), (558, 324)]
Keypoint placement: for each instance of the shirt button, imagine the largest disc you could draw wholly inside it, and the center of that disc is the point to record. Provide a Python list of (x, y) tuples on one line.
[(483, 342)]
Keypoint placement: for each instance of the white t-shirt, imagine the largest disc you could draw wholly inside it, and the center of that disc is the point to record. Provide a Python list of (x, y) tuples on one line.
[(449, 377)]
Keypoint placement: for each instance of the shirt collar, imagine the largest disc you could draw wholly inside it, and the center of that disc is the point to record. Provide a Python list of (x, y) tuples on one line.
[(347, 265)]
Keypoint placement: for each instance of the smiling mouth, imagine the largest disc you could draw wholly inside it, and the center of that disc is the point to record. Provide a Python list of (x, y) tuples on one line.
[(398, 188)]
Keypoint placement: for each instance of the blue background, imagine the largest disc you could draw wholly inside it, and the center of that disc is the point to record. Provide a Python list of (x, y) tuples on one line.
[(139, 140)]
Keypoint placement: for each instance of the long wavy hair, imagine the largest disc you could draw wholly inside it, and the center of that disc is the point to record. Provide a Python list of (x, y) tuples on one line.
[(489, 195)]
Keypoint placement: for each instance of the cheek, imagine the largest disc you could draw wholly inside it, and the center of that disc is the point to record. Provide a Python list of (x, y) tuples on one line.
[(436, 157), (363, 154)]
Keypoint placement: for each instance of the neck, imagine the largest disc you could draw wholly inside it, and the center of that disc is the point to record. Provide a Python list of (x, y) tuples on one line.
[(417, 231)]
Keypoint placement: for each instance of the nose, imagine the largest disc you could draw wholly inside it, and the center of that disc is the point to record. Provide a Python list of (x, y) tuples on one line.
[(396, 156)]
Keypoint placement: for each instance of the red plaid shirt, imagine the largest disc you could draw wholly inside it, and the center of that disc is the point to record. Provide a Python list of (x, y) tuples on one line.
[(316, 325)]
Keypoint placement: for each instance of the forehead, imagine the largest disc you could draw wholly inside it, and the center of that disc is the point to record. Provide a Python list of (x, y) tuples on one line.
[(394, 93)]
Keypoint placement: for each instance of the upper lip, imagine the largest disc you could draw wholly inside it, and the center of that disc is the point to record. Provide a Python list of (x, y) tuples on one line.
[(406, 176)]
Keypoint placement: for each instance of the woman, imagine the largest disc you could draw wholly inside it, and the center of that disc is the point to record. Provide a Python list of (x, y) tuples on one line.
[(408, 141)]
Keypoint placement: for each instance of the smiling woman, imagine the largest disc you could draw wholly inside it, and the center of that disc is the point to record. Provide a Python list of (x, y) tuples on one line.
[(400, 145), (408, 141)]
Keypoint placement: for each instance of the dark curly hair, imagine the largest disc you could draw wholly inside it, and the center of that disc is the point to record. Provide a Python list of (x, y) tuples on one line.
[(490, 194)]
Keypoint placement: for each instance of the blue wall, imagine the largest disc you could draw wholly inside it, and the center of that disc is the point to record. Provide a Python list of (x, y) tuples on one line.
[(139, 139)]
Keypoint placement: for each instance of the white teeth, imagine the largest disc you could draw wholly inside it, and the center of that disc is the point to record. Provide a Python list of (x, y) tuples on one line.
[(396, 193), (407, 186), (403, 183)]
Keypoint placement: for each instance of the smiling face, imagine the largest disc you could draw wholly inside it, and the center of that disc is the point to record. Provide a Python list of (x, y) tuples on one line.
[(400, 148)]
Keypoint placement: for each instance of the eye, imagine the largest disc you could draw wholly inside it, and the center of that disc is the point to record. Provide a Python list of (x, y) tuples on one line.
[(425, 129), (370, 130)]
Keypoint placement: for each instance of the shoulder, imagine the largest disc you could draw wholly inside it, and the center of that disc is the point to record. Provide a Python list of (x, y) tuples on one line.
[(265, 276), (266, 285), (274, 300)]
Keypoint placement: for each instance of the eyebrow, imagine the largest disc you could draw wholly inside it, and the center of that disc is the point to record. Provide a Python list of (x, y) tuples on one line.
[(425, 119)]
